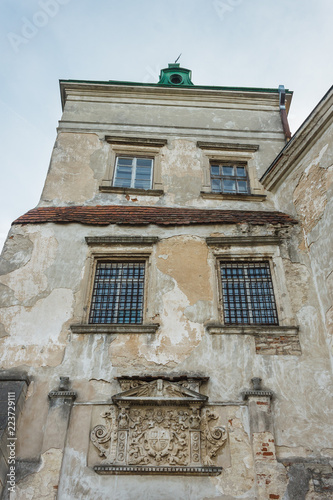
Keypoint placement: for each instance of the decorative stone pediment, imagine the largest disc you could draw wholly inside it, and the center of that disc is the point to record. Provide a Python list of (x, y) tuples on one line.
[(160, 392), (159, 426)]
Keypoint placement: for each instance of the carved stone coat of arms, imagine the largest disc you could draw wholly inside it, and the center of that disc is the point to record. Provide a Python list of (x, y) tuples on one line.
[(159, 426)]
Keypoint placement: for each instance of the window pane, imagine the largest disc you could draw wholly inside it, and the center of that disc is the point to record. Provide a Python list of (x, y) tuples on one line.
[(228, 170), (143, 177), (144, 162), (123, 176), (118, 293), (241, 172), (242, 186), (229, 186), (124, 161), (216, 185), (215, 170)]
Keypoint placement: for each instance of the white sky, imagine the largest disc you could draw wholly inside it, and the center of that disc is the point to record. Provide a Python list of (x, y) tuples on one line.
[(249, 43)]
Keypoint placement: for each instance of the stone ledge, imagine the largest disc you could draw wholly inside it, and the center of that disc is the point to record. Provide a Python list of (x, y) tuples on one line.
[(235, 197), (220, 329), (228, 146), (136, 141), (118, 240), (242, 240), (113, 329), (148, 470), (130, 191)]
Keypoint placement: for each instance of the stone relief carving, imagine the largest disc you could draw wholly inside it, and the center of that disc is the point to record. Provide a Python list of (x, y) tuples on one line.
[(158, 425)]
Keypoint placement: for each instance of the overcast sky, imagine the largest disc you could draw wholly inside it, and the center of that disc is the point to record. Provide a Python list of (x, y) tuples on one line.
[(250, 43)]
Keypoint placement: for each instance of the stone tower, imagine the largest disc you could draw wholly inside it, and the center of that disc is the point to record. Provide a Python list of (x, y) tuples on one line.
[(166, 308)]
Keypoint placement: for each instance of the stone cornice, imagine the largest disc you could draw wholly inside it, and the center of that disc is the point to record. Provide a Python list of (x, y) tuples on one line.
[(150, 470), (228, 146), (136, 141), (63, 395), (121, 240), (257, 394), (104, 91), (242, 240)]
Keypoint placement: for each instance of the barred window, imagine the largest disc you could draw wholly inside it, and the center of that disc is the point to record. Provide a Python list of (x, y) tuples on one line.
[(248, 295), (132, 172), (229, 178), (118, 292)]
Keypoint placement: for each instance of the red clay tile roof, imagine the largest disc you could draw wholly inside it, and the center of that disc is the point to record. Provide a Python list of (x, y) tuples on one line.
[(115, 214)]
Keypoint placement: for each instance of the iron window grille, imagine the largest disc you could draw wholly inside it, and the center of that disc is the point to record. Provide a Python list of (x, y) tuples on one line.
[(133, 172), (229, 179), (248, 295), (118, 293)]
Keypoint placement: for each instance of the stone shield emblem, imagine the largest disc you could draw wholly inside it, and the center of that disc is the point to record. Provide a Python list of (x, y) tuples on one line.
[(158, 440)]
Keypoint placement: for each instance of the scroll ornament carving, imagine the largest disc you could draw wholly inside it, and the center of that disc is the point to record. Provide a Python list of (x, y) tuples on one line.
[(157, 436)]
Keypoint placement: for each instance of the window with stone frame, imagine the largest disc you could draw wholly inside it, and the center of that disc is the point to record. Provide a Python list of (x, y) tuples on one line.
[(247, 293), (229, 178), (118, 292), (133, 172)]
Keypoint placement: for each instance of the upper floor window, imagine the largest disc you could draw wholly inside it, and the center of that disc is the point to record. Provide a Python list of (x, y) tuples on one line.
[(248, 295), (118, 293), (133, 172), (229, 178)]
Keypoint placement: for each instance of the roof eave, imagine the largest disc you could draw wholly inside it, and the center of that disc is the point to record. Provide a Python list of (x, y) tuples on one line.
[(154, 87), (300, 142)]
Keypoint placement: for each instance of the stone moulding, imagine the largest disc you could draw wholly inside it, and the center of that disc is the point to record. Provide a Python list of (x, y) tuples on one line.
[(113, 329), (228, 146), (159, 427), (62, 394), (242, 240), (258, 394), (179, 471), (119, 240), (220, 329), (136, 141)]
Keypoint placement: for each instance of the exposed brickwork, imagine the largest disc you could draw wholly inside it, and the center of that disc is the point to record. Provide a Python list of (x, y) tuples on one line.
[(265, 450), (115, 214), (278, 344)]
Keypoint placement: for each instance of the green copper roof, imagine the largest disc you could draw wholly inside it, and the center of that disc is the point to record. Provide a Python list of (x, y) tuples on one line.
[(174, 75)]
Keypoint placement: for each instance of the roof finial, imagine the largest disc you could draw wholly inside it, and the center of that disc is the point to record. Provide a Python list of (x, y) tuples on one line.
[(178, 58)]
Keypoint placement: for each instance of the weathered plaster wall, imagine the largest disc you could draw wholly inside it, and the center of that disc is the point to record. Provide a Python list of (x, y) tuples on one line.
[(307, 193), (45, 287), (81, 154), (182, 297)]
